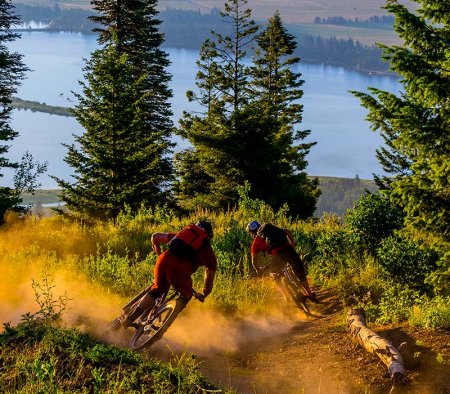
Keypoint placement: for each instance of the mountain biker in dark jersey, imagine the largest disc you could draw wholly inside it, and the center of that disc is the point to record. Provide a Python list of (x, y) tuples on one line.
[(173, 269), (280, 256)]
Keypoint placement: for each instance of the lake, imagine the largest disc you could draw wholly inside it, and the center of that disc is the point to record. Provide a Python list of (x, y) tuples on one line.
[(345, 144)]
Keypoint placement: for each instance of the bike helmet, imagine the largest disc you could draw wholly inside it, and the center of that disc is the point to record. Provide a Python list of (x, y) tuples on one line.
[(206, 226), (253, 226)]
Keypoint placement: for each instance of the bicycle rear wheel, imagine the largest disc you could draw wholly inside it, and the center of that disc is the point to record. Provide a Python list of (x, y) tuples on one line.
[(154, 327), (297, 294)]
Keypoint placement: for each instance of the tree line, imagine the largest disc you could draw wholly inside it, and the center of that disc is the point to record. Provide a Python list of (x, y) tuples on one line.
[(188, 29), (387, 20)]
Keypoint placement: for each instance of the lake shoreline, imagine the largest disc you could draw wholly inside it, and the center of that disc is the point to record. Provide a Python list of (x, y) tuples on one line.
[(303, 60)]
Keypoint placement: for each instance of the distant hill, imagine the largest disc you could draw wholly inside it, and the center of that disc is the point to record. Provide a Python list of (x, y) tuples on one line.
[(297, 13), (293, 11), (338, 194)]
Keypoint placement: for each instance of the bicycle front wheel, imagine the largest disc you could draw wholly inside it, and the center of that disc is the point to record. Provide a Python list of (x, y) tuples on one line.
[(154, 327)]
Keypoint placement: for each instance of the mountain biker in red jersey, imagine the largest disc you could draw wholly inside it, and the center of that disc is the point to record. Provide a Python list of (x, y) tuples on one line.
[(280, 256), (175, 269)]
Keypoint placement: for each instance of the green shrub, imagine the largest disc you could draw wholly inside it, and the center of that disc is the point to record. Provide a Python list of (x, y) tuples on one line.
[(434, 313), (407, 261), (396, 304), (440, 278), (122, 275), (372, 219), (37, 357), (330, 254)]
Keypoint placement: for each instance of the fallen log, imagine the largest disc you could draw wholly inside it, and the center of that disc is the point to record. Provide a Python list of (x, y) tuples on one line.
[(375, 344)]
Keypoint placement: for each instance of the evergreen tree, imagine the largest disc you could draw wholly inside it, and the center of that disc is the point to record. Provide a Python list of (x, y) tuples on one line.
[(276, 91), (247, 130), (122, 159), (216, 134), (416, 124), (12, 71)]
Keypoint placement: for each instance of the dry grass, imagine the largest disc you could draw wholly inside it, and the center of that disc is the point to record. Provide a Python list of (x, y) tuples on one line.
[(292, 11)]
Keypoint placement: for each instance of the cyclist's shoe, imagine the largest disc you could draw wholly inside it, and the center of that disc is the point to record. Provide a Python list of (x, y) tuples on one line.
[(313, 298)]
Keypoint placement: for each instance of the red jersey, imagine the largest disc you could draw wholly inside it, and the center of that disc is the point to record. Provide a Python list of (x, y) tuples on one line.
[(260, 245), (203, 257)]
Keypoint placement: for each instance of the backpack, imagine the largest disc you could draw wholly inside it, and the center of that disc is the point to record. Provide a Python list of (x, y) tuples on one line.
[(273, 235), (187, 241)]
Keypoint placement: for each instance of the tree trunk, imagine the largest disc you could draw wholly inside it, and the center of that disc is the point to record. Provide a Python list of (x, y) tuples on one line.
[(375, 344)]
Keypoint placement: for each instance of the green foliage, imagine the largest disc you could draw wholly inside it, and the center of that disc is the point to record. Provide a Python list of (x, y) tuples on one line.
[(38, 357), (116, 272), (432, 313), (440, 279), (372, 219), (122, 158), (49, 308), (246, 132), (415, 126), (396, 304), (330, 253), (407, 261)]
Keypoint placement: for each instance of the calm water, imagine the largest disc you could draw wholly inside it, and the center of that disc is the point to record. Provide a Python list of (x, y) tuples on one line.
[(345, 145)]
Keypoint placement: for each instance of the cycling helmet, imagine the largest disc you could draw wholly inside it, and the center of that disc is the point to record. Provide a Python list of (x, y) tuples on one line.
[(206, 226), (253, 226)]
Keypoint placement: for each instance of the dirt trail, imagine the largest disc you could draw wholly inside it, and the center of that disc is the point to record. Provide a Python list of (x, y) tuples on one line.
[(294, 354), (315, 355), (302, 360)]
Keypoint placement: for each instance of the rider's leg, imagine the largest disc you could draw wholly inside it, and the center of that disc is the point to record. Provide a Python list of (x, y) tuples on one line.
[(293, 258), (147, 301), (179, 273), (277, 264)]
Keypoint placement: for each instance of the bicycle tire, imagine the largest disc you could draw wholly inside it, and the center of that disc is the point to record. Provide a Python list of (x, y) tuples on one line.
[(297, 294), (112, 327), (147, 334)]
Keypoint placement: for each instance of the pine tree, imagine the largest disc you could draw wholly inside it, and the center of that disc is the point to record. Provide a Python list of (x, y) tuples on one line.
[(216, 134), (246, 132), (276, 91), (416, 124), (122, 158), (12, 71)]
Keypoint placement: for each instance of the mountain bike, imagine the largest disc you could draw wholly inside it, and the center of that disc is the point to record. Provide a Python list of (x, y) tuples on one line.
[(293, 288), (155, 320)]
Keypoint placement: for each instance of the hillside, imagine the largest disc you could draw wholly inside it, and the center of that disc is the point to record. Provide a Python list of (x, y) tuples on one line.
[(338, 195), (298, 15), (294, 11)]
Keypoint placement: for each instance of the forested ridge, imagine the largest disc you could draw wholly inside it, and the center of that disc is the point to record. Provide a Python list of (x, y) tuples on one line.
[(188, 29)]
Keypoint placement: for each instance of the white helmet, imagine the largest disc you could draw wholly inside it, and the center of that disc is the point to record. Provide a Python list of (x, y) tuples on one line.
[(253, 226)]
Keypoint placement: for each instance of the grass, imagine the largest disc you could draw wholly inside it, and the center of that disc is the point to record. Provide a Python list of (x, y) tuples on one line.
[(367, 36), (43, 358)]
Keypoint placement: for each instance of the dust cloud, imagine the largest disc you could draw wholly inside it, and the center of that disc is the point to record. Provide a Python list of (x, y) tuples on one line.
[(204, 331), (199, 329), (87, 306)]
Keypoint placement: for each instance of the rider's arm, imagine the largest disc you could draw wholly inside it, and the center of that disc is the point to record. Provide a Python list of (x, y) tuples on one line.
[(208, 281), (159, 238), (290, 237), (208, 258), (257, 261)]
